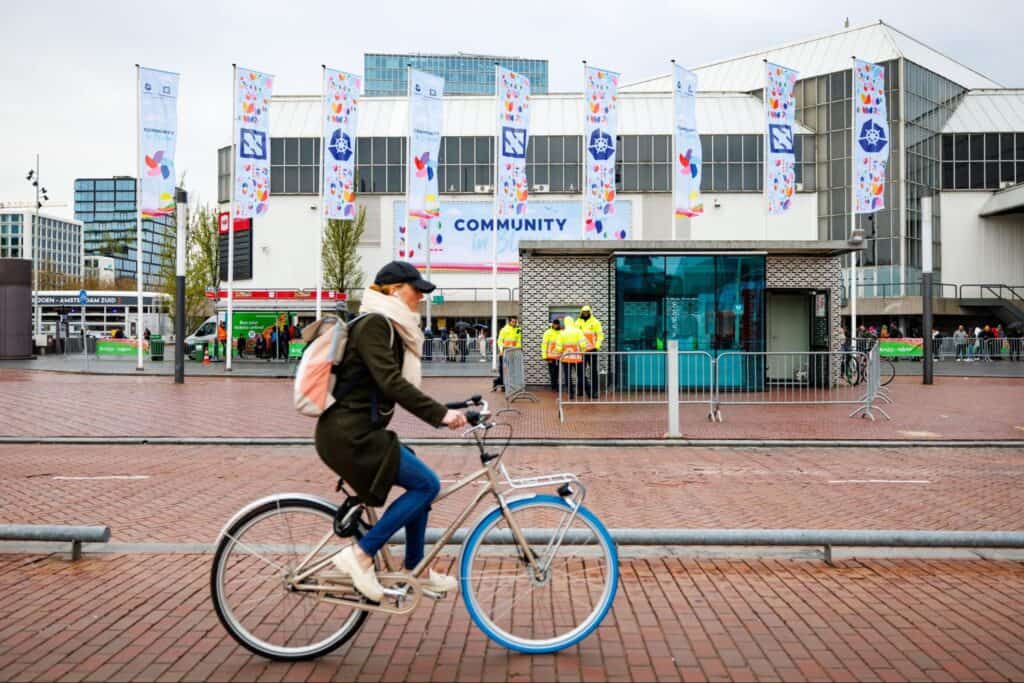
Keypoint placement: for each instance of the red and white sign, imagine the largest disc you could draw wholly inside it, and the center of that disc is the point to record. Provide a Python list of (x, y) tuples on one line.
[(240, 223), (276, 294)]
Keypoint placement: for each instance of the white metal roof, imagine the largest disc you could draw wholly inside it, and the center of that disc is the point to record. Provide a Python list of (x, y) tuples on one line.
[(559, 114), (988, 111), (876, 42)]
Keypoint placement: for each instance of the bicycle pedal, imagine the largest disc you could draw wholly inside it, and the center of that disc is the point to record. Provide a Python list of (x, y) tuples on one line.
[(434, 596)]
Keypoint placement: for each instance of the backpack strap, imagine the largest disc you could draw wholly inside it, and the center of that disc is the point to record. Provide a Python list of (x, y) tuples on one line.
[(345, 389)]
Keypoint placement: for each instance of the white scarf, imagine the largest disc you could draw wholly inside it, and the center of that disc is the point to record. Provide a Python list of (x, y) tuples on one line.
[(407, 323)]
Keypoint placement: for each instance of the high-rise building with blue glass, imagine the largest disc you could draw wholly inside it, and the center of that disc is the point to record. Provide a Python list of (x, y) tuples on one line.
[(106, 208), (464, 74)]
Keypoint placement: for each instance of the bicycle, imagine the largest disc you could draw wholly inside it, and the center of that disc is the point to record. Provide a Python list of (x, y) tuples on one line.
[(538, 572)]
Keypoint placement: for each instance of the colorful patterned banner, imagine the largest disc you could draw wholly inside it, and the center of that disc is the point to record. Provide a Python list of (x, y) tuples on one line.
[(871, 137), (253, 91), (600, 100), (513, 97), (689, 156), (340, 112), (158, 135), (426, 110), (780, 161)]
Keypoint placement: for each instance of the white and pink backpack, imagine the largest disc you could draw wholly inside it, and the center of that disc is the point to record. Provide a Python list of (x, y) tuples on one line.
[(326, 340)]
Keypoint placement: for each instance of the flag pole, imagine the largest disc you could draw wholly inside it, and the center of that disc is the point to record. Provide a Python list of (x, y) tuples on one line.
[(494, 233), (672, 155), (764, 153), (231, 216), (586, 165), (323, 193), (853, 208), (138, 218)]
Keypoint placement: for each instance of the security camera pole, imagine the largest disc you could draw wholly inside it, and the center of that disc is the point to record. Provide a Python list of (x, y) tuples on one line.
[(179, 287)]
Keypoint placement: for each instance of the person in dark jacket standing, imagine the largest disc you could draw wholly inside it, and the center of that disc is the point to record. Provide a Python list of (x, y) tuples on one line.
[(381, 368)]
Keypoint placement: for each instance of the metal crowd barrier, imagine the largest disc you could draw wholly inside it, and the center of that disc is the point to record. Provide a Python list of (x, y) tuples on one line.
[(794, 378), (971, 349), (514, 376), (456, 350), (675, 378)]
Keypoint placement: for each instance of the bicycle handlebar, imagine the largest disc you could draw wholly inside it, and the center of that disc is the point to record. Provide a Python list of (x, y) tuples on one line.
[(467, 403)]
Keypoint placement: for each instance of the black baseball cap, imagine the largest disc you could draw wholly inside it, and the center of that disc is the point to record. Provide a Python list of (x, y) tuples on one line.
[(401, 272)]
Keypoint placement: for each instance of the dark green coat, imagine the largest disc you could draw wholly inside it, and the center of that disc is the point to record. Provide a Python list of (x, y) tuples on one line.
[(363, 451)]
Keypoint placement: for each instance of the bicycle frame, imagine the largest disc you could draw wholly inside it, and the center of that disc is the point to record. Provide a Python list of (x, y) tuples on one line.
[(394, 573)]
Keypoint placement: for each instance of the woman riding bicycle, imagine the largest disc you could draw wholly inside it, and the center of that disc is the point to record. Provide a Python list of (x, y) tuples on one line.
[(382, 367)]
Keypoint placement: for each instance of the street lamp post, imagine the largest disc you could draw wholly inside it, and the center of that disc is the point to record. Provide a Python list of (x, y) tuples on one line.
[(33, 242)]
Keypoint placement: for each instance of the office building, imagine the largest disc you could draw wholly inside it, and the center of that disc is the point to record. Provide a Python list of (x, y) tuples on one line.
[(464, 74)]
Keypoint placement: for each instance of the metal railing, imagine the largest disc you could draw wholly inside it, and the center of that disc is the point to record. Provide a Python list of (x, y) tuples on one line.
[(514, 376), (458, 350), (992, 291), (972, 349), (675, 378), (892, 290)]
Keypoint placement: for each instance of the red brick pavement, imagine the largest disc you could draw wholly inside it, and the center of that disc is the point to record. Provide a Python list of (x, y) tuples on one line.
[(125, 617), (59, 404), (192, 491)]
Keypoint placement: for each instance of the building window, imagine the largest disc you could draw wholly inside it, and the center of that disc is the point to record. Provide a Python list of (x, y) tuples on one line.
[(642, 163), (465, 163), (553, 163), (294, 166), (982, 161), (380, 165)]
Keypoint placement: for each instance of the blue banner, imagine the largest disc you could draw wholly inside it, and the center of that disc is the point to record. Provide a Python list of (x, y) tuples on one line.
[(462, 241), (158, 137)]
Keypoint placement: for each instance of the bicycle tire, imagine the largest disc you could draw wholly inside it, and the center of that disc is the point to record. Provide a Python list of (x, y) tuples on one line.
[(888, 372), (537, 646), (851, 371), (224, 612)]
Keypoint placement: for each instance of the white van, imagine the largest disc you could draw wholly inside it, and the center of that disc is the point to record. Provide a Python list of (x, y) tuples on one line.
[(207, 332)]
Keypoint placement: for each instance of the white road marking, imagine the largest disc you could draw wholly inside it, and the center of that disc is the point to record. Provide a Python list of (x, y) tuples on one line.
[(119, 477), (879, 481)]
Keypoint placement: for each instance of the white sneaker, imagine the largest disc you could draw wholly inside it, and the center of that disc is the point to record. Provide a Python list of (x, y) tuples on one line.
[(364, 580), (439, 583)]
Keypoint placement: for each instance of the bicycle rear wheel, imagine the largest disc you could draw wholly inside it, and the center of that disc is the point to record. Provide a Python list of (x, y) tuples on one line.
[(533, 612), (249, 586)]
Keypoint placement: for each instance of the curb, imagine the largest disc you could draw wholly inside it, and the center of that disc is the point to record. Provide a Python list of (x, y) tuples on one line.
[(539, 442)]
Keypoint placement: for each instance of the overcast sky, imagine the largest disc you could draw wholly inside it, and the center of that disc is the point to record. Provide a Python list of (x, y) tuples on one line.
[(68, 79)]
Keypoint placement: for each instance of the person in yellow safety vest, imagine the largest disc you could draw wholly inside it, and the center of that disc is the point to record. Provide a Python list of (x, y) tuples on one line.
[(594, 334), (510, 337), (551, 349), (572, 341)]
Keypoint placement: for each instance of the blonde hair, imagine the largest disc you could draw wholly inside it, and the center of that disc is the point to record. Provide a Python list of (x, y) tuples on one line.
[(386, 290)]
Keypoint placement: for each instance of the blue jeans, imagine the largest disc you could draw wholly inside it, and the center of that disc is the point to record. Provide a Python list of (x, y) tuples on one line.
[(409, 510)]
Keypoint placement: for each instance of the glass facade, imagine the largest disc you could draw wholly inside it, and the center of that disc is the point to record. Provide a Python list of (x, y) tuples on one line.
[(56, 246), (930, 102), (824, 105), (106, 207), (982, 161), (711, 303), (387, 74), (11, 235)]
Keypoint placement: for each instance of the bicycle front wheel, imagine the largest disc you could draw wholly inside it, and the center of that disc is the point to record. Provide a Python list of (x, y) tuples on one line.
[(539, 611), (249, 582), (888, 372)]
